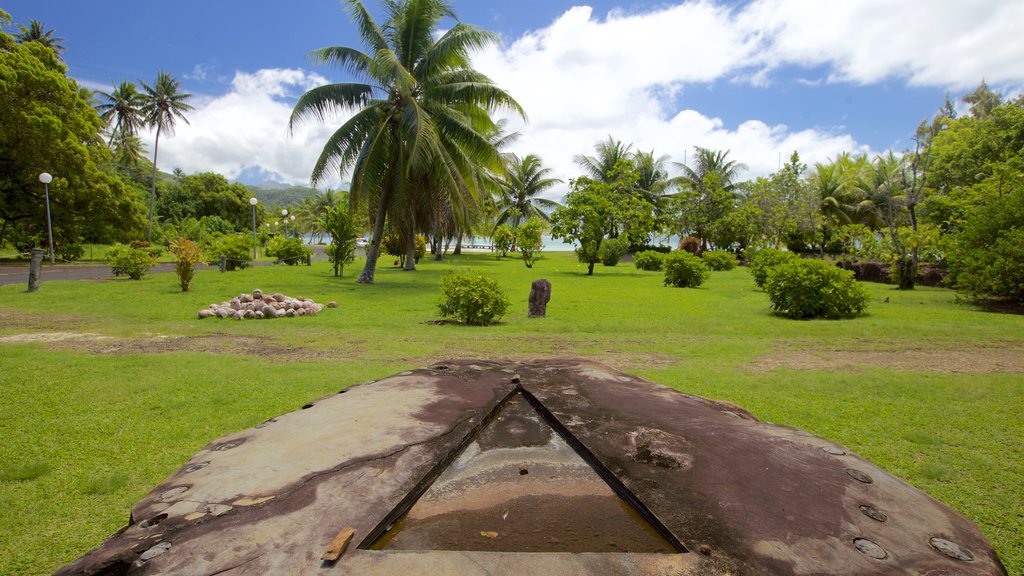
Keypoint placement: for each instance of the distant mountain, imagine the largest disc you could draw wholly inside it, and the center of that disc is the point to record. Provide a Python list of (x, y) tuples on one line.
[(274, 195)]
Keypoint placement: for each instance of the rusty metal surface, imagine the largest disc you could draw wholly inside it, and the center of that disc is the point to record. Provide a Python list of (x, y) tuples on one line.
[(744, 497)]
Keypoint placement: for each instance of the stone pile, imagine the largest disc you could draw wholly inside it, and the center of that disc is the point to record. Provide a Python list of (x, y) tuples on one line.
[(264, 306)]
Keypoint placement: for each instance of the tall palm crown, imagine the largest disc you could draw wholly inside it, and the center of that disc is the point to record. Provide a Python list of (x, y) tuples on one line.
[(422, 114), (652, 181), (707, 162), (121, 109), (36, 32), (608, 153), (524, 179), (163, 104)]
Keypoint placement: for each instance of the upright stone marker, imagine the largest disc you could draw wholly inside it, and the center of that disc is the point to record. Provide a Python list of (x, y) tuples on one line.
[(540, 294), (35, 268)]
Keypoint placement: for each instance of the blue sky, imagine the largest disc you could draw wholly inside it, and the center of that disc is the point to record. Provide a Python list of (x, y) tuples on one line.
[(760, 78)]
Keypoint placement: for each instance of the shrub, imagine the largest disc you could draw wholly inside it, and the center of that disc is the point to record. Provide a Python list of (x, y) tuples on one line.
[(530, 240), (343, 230), (237, 248), (814, 289), (684, 270), (690, 244), (421, 247), (504, 238), (660, 248), (719, 260), (188, 255), (472, 299), (131, 262), (291, 251), (762, 261), (649, 260), (70, 252), (393, 245), (988, 258), (612, 250)]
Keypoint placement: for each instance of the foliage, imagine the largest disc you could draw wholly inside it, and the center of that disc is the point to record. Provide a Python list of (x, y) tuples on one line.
[(162, 105), (634, 248), (612, 250), (343, 230), (69, 252), (807, 288), (131, 262), (684, 270), (705, 192), (49, 125), (188, 255), (236, 247), (519, 191), (472, 298), (595, 210), (504, 238), (419, 127), (291, 251), (207, 195), (988, 258), (649, 260), (719, 260), (530, 239), (761, 262), (421, 247)]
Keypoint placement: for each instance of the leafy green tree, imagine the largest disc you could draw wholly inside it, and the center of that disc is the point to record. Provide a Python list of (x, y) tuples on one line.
[(338, 222), (48, 125), (421, 116), (519, 190), (706, 191), (504, 238), (530, 239), (163, 104), (983, 101), (988, 258)]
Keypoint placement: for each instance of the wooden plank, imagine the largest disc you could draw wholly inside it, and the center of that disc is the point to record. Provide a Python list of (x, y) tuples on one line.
[(337, 546)]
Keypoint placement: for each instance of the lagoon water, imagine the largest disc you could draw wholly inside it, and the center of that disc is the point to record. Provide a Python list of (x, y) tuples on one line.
[(550, 244)]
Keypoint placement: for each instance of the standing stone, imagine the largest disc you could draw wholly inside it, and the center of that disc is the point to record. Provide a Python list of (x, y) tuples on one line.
[(540, 294), (35, 268)]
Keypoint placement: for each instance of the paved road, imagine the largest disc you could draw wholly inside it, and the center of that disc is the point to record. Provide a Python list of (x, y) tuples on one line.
[(18, 273)]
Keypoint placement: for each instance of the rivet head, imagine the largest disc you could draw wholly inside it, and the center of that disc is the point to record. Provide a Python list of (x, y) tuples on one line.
[(859, 476), (873, 513), (951, 549), (870, 549), (833, 451)]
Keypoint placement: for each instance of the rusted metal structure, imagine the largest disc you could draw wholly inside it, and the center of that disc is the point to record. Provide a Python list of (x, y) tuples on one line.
[(553, 467)]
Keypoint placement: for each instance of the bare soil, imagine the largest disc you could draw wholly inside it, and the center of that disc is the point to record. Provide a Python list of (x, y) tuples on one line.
[(997, 357)]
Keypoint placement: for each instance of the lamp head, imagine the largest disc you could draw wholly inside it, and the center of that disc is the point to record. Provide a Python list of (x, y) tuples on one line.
[(45, 178), (284, 212), (253, 201)]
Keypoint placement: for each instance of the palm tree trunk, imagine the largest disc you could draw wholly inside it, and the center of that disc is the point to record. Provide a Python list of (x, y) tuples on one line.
[(435, 247), (410, 251), (458, 245), (152, 191), (372, 253)]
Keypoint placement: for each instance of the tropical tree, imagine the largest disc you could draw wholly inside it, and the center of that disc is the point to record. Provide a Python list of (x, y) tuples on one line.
[(421, 116), (36, 32), (601, 165), (121, 109), (707, 191), (163, 104), (520, 187)]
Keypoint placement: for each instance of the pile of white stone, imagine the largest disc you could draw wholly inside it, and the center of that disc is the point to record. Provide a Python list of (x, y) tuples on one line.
[(264, 306)]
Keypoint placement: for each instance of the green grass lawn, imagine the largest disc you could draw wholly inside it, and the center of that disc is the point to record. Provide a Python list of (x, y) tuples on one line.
[(89, 426)]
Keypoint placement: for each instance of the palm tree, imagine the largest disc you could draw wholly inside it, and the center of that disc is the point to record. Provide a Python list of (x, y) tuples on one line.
[(709, 188), (709, 162), (121, 109), (35, 32), (652, 179), (518, 198), (600, 166), (163, 105), (421, 116)]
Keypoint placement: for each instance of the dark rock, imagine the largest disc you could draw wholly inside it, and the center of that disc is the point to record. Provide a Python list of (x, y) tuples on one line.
[(540, 294)]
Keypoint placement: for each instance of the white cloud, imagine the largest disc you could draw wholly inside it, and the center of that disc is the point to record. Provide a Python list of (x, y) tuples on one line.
[(247, 130)]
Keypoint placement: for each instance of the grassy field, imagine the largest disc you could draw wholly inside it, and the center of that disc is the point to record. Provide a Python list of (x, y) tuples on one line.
[(106, 387)]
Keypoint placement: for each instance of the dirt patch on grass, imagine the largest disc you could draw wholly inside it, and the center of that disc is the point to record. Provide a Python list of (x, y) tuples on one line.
[(213, 344), (1003, 357)]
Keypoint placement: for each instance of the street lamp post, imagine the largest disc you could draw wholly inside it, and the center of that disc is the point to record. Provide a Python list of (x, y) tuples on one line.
[(284, 216), (45, 178), (252, 202), (292, 218)]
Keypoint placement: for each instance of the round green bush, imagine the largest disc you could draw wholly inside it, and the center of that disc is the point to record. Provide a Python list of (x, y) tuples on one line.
[(472, 299), (132, 262), (719, 260), (291, 251), (764, 260), (684, 270), (649, 260), (612, 250), (814, 289)]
